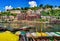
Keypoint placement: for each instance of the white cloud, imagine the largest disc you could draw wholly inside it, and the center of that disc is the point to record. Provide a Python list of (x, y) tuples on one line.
[(8, 7), (32, 3)]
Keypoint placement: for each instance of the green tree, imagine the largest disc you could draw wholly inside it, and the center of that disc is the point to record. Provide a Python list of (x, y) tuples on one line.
[(34, 8), (41, 6), (59, 6), (48, 6), (26, 8), (17, 8)]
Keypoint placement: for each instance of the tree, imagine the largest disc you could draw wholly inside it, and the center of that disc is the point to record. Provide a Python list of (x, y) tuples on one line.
[(17, 8), (13, 9), (59, 6), (55, 6), (34, 8), (41, 6), (14, 14), (48, 6), (22, 8), (26, 8), (4, 13)]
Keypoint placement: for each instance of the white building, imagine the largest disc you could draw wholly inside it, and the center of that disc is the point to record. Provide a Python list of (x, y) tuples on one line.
[(15, 11)]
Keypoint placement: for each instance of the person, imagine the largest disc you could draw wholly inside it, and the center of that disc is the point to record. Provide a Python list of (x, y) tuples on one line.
[(29, 36), (23, 36)]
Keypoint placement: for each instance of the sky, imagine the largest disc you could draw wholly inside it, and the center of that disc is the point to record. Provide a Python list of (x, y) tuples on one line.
[(9, 4)]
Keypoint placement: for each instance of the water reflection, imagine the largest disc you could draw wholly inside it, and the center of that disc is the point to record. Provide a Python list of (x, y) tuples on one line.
[(38, 26)]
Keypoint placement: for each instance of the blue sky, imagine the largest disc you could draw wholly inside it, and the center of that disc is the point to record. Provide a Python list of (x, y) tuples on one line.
[(25, 3)]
